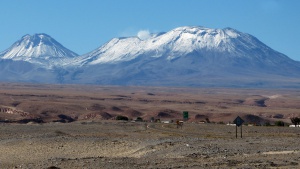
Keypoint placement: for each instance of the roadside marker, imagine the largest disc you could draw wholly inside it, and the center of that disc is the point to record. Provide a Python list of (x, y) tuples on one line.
[(238, 122)]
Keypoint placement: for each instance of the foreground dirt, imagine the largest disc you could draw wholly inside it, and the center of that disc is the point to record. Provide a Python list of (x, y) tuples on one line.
[(110, 144)]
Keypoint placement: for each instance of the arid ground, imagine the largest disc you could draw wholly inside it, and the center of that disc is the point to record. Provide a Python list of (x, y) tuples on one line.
[(111, 144), (73, 126)]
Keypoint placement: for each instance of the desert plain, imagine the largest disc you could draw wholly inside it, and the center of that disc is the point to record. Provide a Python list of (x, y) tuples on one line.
[(75, 126)]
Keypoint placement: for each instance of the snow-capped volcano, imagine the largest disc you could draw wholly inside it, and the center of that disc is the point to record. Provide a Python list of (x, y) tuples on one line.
[(180, 42), (39, 49), (184, 56)]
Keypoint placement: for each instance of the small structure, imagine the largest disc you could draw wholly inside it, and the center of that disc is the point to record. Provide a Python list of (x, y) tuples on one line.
[(294, 125), (165, 121)]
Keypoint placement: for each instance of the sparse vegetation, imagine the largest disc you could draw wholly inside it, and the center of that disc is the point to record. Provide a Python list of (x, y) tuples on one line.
[(38, 104), (267, 124), (139, 119), (105, 141), (65, 118), (295, 121), (207, 120), (279, 123), (120, 117)]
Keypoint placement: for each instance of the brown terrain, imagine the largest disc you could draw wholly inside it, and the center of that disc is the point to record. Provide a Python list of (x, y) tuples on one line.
[(73, 126)]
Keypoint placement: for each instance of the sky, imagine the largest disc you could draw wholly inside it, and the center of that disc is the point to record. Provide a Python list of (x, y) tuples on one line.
[(84, 25)]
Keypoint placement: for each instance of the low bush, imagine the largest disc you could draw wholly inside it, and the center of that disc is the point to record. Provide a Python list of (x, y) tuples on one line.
[(279, 123), (139, 119), (122, 118)]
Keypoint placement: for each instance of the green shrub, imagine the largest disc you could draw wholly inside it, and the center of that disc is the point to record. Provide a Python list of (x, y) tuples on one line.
[(139, 119), (122, 118), (279, 123), (295, 121), (207, 120)]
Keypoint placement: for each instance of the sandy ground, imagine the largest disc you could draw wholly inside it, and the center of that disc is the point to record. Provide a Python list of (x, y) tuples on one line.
[(111, 144)]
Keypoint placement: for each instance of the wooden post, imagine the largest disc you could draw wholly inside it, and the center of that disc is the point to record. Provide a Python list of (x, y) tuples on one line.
[(235, 131), (241, 132), (238, 122)]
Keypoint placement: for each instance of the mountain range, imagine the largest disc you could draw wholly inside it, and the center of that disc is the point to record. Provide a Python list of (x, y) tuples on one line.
[(184, 56)]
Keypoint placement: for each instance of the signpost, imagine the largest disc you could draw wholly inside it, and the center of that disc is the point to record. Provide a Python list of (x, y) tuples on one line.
[(185, 115), (238, 122)]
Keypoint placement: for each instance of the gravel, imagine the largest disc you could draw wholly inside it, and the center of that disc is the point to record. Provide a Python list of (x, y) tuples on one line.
[(111, 144)]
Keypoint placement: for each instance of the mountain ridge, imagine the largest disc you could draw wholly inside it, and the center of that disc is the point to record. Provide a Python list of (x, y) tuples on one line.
[(178, 40), (184, 56)]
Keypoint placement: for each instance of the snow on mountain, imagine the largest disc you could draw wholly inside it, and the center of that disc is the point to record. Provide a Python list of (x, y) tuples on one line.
[(177, 43), (39, 49), (184, 56), (187, 56)]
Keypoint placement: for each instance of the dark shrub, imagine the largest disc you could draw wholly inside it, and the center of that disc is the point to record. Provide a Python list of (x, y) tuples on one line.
[(279, 123), (139, 119), (65, 118), (295, 121), (267, 124), (122, 118)]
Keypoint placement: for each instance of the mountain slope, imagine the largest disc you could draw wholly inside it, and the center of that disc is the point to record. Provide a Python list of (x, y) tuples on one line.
[(188, 56), (185, 56), (39, 49), (182, 41)]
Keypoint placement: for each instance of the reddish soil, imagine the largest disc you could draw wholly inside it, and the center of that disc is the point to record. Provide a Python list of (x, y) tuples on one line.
[(73, 126), (23, 103)]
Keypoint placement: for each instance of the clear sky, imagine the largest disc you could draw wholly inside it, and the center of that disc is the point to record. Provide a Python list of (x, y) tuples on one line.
[(84, 25)]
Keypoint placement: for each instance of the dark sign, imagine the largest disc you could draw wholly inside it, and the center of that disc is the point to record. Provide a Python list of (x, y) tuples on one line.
[(238, 121), (185, 115)]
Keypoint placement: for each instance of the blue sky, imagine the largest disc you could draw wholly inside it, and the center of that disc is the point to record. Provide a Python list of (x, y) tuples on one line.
[(84, 25)]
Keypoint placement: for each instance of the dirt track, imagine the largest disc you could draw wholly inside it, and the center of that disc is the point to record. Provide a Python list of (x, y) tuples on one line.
[(109, 144)]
